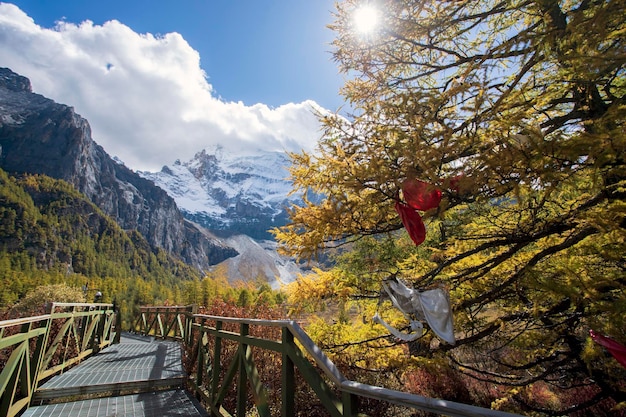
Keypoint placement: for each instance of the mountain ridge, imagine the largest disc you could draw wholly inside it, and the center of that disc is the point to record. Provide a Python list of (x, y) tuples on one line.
[(39, 136), (230, 193), (199, 211), (239, 198)]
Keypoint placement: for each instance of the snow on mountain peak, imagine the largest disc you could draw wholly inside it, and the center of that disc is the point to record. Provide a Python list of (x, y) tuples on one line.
[(239, 197), (218, 188)]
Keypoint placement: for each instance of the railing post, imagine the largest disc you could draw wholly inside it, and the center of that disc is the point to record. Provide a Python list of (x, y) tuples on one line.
[(350, 404), (217, 367), (42, 346), (118, 323), (160, 322), (201, 359), (242, 383), (188, 337), (288, 383), (82, 326), (100, 329), (38, 355)]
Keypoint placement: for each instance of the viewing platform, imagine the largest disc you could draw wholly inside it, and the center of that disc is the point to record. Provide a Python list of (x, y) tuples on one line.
[(75, 362), (151, 369)]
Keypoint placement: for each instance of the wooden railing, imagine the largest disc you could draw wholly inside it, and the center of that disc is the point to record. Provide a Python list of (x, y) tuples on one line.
[(225, 352), (35, 348)]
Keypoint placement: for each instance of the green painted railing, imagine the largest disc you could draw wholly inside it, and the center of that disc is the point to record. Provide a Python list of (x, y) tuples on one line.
[(35, 348), (229, 357)]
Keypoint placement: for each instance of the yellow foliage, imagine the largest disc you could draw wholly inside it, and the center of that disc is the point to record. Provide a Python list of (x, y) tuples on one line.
[(522, 128), (340, 342)]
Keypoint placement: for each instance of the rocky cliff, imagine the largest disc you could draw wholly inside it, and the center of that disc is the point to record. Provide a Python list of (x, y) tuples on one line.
[(231, 194), (40, 136)]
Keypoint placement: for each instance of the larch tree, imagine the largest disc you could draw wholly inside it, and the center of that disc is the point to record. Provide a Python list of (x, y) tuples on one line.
[(514, 112)]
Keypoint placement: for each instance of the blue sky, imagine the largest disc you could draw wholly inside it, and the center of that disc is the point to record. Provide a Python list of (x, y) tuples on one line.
[(257, 51), (161, 80)]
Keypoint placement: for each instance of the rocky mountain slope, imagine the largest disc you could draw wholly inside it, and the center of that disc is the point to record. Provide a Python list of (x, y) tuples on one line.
[(240, 198), (260, 260), (51, 233), (230, 194), (39, 136)]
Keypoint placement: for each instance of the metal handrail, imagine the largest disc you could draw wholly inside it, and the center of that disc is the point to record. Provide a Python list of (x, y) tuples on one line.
[(345, 404), (30, 347)]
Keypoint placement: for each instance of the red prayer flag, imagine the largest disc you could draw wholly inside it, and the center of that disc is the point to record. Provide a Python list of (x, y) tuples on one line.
[(412, 222), (617, 350), (420, 195)]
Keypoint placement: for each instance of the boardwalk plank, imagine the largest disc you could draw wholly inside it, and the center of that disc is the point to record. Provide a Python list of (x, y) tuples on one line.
[(140, 366), (149, 371), (175, 403)]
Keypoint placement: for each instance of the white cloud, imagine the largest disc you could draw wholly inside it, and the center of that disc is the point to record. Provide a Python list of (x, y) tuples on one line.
[(146, 97)]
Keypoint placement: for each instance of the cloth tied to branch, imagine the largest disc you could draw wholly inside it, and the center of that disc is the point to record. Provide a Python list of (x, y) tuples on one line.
[(430, 306), (419, 195), (616, 349), (412, 222)]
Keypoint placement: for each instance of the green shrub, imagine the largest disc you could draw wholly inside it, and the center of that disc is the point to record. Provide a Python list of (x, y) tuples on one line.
[(37, 300)]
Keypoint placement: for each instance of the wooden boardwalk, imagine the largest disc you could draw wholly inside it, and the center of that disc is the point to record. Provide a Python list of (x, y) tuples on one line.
[(137, 377)]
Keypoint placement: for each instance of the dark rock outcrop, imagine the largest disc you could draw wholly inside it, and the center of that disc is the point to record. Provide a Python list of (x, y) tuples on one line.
[(39, 136)]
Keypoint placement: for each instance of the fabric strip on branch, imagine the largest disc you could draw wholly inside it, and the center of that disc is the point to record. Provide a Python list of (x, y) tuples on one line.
[(417, 329), (412, 222), (421, 195), (617, 350), (418, 195), (430, 306)]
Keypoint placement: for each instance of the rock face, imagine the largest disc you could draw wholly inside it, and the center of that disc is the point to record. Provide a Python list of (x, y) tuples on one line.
[(261, 259), (231, 194), (39, 136), (239, 197)]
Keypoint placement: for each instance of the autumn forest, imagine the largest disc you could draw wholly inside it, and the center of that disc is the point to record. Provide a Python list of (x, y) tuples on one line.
[(484, 157)]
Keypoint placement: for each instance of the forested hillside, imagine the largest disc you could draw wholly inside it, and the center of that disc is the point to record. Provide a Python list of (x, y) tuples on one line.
[(50, 233)]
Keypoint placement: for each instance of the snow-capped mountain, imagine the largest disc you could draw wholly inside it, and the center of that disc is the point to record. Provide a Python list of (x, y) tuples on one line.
[(239, 197), (40, 136), (230, 194)]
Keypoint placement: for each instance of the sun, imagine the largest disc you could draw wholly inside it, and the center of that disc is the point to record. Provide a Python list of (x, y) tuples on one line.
[(366, 19)]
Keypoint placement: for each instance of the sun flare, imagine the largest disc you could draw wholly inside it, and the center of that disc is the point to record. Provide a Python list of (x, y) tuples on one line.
[(366, 19)]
